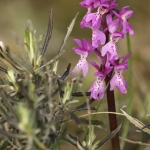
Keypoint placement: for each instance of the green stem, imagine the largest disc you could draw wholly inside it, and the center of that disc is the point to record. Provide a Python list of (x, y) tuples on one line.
[(130, 95), (93, 117), (40, 144)]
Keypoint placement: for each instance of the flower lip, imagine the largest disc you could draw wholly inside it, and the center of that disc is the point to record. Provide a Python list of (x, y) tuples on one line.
[(97, 89), (98, 38), (81, 65), (118, 81)]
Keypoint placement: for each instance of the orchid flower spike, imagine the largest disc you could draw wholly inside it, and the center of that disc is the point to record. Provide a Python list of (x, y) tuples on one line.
[(118, 80), (84, 49)]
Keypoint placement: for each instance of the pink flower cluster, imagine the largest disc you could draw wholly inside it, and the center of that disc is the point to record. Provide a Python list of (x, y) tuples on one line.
[(104, 21)]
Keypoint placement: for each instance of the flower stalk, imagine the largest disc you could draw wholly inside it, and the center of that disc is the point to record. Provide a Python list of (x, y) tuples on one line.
[(112, 117)]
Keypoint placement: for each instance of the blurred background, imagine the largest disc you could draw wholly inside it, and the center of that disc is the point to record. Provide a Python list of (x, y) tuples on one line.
[(14, 15)]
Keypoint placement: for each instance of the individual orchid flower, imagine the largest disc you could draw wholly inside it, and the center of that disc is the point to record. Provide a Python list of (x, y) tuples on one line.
[(84, 49), (98, 38), (118, 80), (123, 16), (110, 48), (92, 3), (97, 89), (84, 23), (94, 19), (87, 3)]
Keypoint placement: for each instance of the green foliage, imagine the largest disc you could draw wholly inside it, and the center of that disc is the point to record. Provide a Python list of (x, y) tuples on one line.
[(85, 145), (32, 114)]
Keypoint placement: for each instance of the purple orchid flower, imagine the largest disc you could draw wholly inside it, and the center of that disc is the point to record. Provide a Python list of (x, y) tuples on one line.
[(94, 19), (123, 16), (110, 48), (84, 23), (98, 38), (93, 3), (118, 80), (84, 49), (90, 3), (97, 89)]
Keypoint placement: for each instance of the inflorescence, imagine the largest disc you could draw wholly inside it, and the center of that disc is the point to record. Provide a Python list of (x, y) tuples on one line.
[(108, 26)]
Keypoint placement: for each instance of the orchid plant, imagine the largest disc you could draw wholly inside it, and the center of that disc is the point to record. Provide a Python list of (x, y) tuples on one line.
[(116, 27), (108, 26)]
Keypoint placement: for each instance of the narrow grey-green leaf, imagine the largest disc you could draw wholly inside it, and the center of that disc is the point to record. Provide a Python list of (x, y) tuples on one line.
[(75, 141), (72, 138), (26, 65), (79, 145), (68, 32), (49, 32), (75, 118), (51, 61), (109, 137), (136, 122), (11, 135), (7, 59), (93, 122)]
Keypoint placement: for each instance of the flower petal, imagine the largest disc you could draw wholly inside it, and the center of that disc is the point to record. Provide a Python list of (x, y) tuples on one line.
[(79, 51), (127, 28), (87, 46), (111, 49), (84, 23), (123, 10), (97, 89), (128, 14), (119, 82), (94, 65), (98, 37), (81, 65), (79, 42), (126, 57), (113, 26), (131, 31), (108, 19), (94, 19)]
